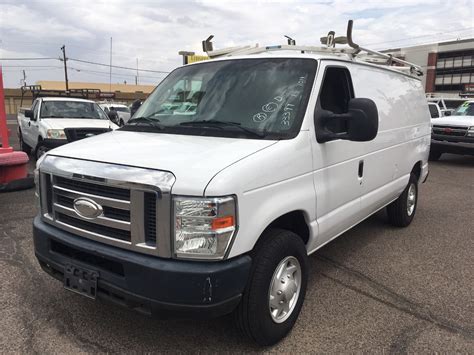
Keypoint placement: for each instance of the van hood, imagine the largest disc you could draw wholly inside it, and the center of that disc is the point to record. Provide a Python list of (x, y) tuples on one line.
[(194, 160), (454, 121), (62, 123)]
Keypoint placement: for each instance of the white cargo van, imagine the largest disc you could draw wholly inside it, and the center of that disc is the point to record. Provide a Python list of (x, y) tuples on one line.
[(232, 172)]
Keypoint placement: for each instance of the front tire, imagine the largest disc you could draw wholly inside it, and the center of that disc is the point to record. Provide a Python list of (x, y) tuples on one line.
[(40, 150), (434, 155), (276, 288), (402, 210)]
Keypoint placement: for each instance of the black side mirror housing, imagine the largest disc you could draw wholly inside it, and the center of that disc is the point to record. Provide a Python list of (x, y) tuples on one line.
[(30, 114), (447, 113), (360, 123)]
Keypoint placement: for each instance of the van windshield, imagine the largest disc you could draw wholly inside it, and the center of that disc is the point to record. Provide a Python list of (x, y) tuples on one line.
[(466, 109), (71, 109), (247, 98)]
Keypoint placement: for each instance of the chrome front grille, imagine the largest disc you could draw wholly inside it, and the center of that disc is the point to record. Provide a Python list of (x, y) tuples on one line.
[(134, 203)]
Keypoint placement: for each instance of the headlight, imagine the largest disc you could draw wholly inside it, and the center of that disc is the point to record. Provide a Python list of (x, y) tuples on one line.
[(470, 132), (55, 134), (204, 227)]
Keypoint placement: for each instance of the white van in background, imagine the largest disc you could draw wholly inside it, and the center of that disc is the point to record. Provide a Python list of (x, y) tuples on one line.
[(214, 209)]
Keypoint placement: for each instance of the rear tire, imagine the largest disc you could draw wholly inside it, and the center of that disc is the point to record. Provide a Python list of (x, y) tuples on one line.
[(402, 210), (434, 155), (276, 288)]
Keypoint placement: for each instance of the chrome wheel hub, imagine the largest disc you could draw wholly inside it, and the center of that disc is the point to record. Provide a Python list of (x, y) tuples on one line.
[(284, 289), (411, 200)]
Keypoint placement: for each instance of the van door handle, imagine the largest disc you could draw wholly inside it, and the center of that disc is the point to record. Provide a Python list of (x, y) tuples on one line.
[(361, 169)]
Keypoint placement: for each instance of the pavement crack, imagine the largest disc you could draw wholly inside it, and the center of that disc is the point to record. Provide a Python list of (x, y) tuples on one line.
[(370, 288)]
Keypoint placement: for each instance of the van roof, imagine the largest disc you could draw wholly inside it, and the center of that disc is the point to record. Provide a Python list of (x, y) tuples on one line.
[(339, 56)]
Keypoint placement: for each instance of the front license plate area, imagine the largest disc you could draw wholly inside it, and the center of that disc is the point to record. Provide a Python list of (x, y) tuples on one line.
[(80, 280)]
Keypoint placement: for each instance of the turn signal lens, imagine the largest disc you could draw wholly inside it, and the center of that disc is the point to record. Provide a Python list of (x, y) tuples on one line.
[(222, 222)]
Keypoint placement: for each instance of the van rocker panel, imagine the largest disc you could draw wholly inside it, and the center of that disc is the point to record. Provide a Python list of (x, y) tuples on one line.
[(146, 283)]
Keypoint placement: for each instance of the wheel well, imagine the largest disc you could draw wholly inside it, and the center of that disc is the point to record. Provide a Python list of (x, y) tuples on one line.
[(417, 170), (292, 221)]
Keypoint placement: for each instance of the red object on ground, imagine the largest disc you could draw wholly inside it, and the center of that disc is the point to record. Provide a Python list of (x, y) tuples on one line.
[(13, 165)]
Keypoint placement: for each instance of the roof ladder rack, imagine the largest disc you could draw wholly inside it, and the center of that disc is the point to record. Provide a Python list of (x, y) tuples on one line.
[(354, 50)]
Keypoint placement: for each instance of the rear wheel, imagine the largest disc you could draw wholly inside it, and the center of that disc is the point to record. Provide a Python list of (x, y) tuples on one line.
[(402, 210), (434, 155), (276, 288)]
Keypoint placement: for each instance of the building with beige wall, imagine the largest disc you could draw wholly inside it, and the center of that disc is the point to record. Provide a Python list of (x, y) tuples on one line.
[(123, 93), (105, 87)]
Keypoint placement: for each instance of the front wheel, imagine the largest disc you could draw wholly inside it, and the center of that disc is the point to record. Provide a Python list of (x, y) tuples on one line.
[(276, 289), (402, 210), (40, 150), (434, 155)]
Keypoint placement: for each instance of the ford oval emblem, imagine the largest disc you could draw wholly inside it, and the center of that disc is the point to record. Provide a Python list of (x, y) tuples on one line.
[(87, 208)]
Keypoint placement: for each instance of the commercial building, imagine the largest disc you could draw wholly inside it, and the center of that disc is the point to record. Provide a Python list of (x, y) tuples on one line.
[(104, 87), (448, 67)]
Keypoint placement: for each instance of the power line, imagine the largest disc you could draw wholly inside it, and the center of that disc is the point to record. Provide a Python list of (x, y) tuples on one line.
[(118, 67), (44, 58), (415, 37)]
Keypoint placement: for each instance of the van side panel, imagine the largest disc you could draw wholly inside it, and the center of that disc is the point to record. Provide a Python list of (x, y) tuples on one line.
[(277, 180), (403, 138)]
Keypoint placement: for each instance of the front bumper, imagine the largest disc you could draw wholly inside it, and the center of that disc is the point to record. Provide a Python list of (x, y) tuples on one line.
[(453, 147), (145, 283), (50, 143)]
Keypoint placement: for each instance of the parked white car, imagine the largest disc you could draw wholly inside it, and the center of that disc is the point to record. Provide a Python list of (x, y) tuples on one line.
[(123, 111), (454, 134), (55, 121), (231, 173)]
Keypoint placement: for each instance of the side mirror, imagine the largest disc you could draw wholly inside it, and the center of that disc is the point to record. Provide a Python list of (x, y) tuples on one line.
[(359, 124), (30, 114), (447, 113)]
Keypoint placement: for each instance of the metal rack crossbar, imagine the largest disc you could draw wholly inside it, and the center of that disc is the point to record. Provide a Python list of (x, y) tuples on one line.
[(353, 52)]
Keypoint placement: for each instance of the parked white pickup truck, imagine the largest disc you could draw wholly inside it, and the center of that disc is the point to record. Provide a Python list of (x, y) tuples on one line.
[(231, 173), (55, 121), (123, 111), (453, 134)]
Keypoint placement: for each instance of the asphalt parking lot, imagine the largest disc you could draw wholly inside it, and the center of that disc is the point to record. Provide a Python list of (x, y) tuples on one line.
[(374, 289)]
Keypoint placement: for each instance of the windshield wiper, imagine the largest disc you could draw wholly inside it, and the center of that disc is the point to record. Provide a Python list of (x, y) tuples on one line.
[(147, 120), (223, 123)]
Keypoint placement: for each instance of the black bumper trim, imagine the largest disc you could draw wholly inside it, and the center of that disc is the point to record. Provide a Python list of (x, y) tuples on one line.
[(53, 143), (460, 147), (150, 285)]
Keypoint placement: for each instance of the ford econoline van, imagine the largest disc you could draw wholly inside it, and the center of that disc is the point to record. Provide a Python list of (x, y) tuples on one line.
[(231, 174)]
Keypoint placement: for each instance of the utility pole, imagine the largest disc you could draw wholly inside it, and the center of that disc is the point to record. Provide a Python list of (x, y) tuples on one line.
[(110, 74), (63, 48), (24, 77), (136, 76)]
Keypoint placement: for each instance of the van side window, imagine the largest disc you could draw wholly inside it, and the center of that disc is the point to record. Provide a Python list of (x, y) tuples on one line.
[(336, 90)]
